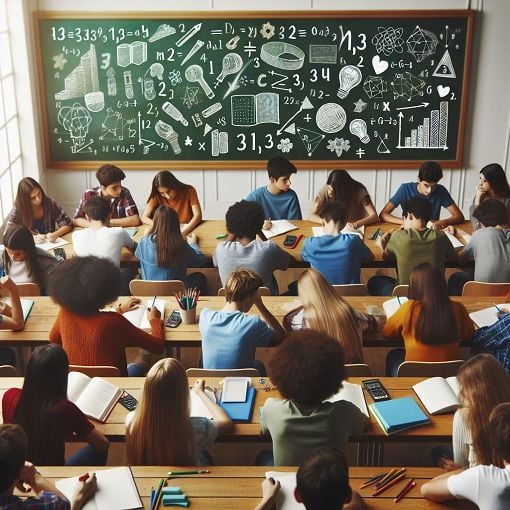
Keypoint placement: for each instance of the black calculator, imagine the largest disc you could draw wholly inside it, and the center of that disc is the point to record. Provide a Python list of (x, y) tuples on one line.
[(128, 401), (376, 390)]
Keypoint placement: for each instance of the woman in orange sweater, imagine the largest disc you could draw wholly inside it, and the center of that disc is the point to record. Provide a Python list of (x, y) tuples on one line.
[(431, 325), (82, 286)]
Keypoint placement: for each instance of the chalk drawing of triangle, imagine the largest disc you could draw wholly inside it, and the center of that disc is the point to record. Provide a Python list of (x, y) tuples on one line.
[(311, 139), (290, 129), (307, 104), (447, 64), (207, 129)]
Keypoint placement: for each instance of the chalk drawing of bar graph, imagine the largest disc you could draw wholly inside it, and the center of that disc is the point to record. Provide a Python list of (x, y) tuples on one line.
[(432, 133)]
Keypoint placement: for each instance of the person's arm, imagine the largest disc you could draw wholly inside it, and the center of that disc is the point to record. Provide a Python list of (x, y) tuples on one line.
[(196, 257), (437, 489), (386, 215), (136, 337), (97, 440), (371, 216), (456, 216), (28, 475), (382, 242), (271, 320), (147, 213), (62, 231), (195, 220), (295, 208), (395, 323), (222, 419), (12, 315), (81, 222), (127, 221), (270, 489)]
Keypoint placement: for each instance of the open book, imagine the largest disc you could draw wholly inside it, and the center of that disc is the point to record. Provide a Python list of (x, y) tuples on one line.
[(116, 490), (139, 318), (438, 395), (95, 397), (285, 499), (198, 408), (318, 231), (279, 227), (392, 305), (26, 304), (488, 316), (353, 393), (56, 244), (455, 242)]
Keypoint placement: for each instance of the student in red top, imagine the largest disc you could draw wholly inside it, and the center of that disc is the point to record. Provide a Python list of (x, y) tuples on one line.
[(168, 190), (41, 408), (83, 286)]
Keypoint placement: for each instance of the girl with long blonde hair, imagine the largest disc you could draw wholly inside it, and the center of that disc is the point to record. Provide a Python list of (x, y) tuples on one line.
[(326, 311), (160, 431)]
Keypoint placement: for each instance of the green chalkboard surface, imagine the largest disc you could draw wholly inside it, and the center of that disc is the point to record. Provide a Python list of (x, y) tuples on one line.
[(230, 90)]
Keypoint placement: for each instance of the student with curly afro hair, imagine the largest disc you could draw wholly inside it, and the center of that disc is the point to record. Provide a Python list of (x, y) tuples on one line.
[(307, 368), (242, 250)]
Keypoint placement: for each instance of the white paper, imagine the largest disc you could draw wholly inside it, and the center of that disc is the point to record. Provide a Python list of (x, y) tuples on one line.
[(139, 318), (279, 227), (234, 389), (455, 242), (198, 408), (392, 305), (352, 393), (488, 316), (285, 499), (438, 394), (50, 246)]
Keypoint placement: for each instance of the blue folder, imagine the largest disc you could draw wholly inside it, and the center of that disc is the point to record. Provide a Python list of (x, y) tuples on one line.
[(240, 411), (398, 414)]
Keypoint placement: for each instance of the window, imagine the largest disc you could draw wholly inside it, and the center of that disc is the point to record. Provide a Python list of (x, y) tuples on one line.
[(11, 169)]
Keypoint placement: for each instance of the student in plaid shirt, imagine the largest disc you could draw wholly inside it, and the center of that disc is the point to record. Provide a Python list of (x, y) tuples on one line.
[(15, 472), (124, 212)]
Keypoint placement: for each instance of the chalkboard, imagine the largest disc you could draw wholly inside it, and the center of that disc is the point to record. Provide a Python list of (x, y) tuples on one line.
[(230, 90)]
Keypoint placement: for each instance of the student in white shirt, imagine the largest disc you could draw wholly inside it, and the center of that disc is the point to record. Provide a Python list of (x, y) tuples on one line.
[(488, 486)]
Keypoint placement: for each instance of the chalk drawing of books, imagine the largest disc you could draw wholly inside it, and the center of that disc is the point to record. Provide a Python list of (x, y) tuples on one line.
[(251, 110)]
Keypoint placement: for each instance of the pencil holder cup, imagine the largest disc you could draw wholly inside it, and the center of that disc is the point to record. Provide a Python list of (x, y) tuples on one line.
[(189, 316)]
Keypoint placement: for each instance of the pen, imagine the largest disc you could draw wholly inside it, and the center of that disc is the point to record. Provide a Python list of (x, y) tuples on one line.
[(84, 477), (405, 490), (189, 34), (398, 299), (196, 472), (153, 301), (497, 308)]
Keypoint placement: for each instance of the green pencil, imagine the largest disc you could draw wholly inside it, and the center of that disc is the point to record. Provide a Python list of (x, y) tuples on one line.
[(196, 472)]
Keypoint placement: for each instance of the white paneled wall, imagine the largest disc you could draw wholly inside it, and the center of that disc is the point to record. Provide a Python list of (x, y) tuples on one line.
[(487, 137)]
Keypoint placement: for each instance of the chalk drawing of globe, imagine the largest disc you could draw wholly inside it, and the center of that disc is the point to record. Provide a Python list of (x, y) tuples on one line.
[(330, 118)]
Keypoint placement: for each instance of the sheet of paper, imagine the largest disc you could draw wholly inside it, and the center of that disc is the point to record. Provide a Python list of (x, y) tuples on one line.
[(455, 242), (50, 246), (318, 231), (488, 316), (286, 499), (279, 227)]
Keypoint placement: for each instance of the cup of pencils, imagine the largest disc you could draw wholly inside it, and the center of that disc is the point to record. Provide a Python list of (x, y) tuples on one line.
[(187, 301)]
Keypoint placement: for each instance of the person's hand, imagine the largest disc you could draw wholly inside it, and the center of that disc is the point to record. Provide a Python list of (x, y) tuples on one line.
[(479, 194), (39, 238), (199, 386), (436, 225), (131, 304), (450, 229), (51, 237), (8, 284), (352, 226), (83, 491), (27, 475), (270, 489), (447, 464), (383, 240), (267, 224), (153, 313), (192, 238), (502, 312)]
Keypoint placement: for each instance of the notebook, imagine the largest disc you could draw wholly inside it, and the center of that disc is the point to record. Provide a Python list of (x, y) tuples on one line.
[(398, 414), (279, 227), (26, 304), (116, 490), (138, 317), (241, 411), (353, 393), (455, 242), (438, 395), (392, 305), (488, 316), (56, 244)]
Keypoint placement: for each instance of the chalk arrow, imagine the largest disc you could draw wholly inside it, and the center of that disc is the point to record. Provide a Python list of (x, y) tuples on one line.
[(422, 105)]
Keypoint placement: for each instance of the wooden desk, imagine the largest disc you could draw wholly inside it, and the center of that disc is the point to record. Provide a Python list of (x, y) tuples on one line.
[(44, 312), (209, 229), (440, 429), (239, 487)]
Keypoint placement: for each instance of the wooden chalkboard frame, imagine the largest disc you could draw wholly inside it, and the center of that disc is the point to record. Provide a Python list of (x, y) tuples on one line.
[(255, 164)]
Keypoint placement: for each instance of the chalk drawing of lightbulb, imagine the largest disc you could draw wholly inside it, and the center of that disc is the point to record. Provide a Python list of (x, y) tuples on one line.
[(348, 77), (358, 127), (75, 119)]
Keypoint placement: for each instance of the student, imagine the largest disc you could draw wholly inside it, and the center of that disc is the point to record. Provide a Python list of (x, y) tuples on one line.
[(160, 432), (337, 256), (230, 336), (411, 246), (493, 184), (165, 255), (307, 368), (168, 190), (427, 188), (341, 187), (489, 247), (322, 483), (41, 407), (431, 325), (124, 212), (23, 261), (82, 286), (17, 473), (324, 310), (44, 217), (99, 239), (278, 201), (11, 317), (487, 486), (244, 221)]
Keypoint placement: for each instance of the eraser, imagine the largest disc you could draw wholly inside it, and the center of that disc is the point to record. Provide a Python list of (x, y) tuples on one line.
[(171, 490)]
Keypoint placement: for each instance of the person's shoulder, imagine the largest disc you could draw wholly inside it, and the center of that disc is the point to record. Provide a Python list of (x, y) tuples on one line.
[(125, 191), (256, 193)]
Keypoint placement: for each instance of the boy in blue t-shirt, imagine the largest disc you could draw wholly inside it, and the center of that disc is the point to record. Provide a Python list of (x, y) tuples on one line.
[(337, 256), (277, 199), (230, 336), (428, 188)]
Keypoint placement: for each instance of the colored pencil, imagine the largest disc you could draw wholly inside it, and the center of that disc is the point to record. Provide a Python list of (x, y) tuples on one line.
[(157, 495), (390, 478), (372, 480), (389, 484), (405, 490), (390, 473), (194, 472)]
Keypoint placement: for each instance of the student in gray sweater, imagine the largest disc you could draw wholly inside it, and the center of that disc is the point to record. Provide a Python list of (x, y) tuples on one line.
[(489, 247), (242, 250)]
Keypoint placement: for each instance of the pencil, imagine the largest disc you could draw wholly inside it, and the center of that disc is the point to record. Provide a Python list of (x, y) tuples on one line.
[(497, 308), (389, 484), (405, 490), (388, 475), (194, 472), (372, 480), (389, 479), (157, 494), (153, 301)]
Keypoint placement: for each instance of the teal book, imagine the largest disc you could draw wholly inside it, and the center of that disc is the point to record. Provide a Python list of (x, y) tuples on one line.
[(240, 411), (398, 414)]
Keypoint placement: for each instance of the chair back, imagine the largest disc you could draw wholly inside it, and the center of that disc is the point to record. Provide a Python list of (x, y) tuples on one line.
[(24, 289), (482, 289), (400, 291), (222, 372), (156, 287), (7, 371), (263, 291), (358, 370), (96, 370), (351, 289), (429, 368)]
